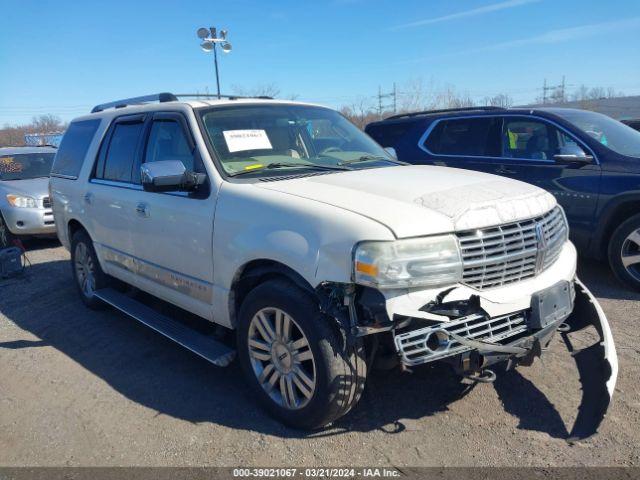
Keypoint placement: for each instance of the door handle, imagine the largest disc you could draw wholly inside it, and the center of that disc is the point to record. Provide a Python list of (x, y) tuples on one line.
[(505, 171), (88, 198), (142, 209)]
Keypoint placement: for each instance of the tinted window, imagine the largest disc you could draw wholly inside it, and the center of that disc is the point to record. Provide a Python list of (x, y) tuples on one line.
[(388, 135), (532, 139), (121, 152), (25, 166), (466, 137), (73, 148), (168, 141)]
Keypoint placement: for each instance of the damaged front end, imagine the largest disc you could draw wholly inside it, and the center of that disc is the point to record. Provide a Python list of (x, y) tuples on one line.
[(468, 335)]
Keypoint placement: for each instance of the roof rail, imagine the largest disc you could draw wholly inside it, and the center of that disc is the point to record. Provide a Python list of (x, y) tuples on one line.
[(442, 110), (215, 95), (158, 97)]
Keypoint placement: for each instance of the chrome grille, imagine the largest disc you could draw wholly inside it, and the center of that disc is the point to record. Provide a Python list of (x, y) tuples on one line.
[(414, 350), (46, 202), (509, 253)]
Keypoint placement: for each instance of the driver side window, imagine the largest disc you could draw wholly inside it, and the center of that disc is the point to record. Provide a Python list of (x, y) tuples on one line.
[(167, 141)]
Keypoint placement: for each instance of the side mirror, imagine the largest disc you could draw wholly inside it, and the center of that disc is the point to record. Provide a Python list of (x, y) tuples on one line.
[(169, 176), (391, 151), (572, 154)]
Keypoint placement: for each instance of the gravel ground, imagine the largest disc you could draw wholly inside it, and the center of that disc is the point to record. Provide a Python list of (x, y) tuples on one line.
[(87, 388)]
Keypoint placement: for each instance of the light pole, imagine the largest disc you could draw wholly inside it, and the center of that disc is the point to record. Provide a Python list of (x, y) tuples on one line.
[(210, 38)]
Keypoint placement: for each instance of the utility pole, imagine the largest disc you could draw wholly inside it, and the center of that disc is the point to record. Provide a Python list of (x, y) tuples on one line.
[(395, 98), (393, 94), (544, 92)]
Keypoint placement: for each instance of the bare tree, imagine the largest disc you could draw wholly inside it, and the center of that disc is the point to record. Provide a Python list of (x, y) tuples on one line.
[(14, 135), (503, 100)]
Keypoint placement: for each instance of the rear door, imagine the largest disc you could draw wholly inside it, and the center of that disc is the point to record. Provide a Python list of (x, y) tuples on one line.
[(466, 142), (110, 199), (173, 231)]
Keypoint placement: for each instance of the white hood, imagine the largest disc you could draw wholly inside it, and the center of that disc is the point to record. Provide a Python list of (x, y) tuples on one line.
[(423, 200)]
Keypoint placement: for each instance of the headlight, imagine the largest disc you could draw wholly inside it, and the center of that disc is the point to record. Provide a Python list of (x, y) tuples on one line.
[(22, 201), (416, 262)]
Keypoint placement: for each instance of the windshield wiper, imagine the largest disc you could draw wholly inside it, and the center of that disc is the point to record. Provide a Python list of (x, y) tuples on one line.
[(290, 164), (369, 158)]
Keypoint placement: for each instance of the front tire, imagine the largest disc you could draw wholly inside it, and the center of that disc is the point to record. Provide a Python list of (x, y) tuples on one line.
[(6, 237), (300, 367), (624, 252), (87, 273)]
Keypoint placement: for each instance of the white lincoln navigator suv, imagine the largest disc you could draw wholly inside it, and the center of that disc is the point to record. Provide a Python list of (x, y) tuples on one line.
[(314, 251)]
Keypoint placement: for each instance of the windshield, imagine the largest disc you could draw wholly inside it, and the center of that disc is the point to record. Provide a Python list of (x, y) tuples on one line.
[(25, 166), (613, 134), (255, 139)]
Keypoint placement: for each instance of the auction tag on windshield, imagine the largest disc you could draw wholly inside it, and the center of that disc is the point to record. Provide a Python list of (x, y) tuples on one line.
[(238, 140)]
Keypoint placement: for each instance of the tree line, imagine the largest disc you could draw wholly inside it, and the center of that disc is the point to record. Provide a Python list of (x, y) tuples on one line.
[(13, 135)]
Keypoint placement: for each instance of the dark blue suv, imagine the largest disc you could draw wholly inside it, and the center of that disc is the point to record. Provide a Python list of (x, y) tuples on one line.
[(590, 162)]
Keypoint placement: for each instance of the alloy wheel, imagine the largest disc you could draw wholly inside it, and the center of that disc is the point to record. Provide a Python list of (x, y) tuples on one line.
[(630, 254), (85, 270), (281, 358)]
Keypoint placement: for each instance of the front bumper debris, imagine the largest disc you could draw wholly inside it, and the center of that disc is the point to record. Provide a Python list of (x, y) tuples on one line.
[(476, 341)]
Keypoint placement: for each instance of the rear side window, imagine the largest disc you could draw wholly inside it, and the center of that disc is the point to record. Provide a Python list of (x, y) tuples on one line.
[(118, 157), (389, 134), (73, 148), (473, 137)]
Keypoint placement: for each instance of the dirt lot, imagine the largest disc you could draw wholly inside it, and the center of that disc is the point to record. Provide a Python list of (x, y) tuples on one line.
[(84, 388)]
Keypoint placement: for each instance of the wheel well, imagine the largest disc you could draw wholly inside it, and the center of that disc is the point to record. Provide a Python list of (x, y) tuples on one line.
[(256, 272), (620, 214), (73, 227)]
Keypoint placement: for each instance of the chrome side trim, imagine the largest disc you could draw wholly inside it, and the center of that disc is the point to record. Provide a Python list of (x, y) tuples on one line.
[(184, 284), (426, 134)]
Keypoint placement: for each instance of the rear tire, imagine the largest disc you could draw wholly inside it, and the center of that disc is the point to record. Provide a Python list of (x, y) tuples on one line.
[(87, 273), (297, 362), (624, 252)]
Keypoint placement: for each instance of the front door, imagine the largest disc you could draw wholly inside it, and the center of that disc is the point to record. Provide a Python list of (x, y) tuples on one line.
[(528, 149), (173, 231)]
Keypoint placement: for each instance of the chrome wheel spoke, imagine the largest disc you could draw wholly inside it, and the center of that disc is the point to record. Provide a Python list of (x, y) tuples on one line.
[(303, 356), (634, 237), (277, 359), (264, 326), (265, 373), (310, 383), (628, 260), (306, 391)]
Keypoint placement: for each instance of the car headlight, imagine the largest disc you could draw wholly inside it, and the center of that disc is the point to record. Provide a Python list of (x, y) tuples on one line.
[(22, 201), (415, 262)]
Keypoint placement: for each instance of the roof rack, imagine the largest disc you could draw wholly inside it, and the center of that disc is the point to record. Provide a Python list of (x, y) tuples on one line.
[(158, 97), (215, 95), (442, 110), (166, 97)]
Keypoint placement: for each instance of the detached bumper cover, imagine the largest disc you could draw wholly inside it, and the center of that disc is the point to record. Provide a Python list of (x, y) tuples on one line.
[(510, 338), (597, 365)]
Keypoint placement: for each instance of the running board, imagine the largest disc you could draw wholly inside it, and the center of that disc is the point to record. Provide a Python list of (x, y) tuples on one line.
[(206, 347)]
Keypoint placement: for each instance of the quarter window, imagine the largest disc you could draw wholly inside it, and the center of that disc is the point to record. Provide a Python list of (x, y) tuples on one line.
[(474, 137), (73, 148)]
